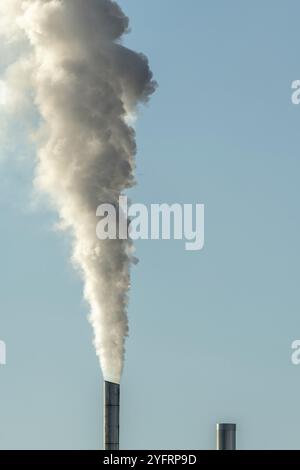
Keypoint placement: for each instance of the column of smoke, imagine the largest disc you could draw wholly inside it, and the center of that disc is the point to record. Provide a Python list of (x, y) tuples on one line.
[(86, 86)]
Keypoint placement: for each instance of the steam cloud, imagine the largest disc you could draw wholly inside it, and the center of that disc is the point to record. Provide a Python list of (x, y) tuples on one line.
[(86, 86)]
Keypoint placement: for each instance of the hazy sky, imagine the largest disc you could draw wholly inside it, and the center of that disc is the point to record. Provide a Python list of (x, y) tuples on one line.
[(210, 332)]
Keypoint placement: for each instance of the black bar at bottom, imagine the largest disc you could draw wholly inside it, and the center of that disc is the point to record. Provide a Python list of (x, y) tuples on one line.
[(134, 458)]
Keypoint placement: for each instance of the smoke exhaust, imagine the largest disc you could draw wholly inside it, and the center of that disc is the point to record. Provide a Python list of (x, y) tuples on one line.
[(111, 415), (70, 68), (226, 436)]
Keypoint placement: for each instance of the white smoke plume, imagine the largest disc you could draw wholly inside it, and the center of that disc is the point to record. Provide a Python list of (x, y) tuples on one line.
[(85, 85)]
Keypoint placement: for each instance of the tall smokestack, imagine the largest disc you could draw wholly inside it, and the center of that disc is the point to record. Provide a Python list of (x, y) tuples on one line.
[(70, 67), (111, 415), (226, 436)]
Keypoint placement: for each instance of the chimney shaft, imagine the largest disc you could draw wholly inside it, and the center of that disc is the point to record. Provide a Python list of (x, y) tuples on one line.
[(226, 436), (111, 415)]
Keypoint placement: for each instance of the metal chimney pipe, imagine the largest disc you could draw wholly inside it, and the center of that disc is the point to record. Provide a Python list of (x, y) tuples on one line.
[(226, 436), (111, 415)]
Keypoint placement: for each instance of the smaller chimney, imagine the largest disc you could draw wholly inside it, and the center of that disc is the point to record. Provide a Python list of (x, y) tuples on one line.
[(226, 436)]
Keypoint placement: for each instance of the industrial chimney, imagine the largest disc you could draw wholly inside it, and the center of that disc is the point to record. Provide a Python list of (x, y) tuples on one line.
[(111, 415), (226, 436)]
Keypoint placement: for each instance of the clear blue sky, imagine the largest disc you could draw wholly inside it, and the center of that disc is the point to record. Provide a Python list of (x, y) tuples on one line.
[(210, 332)]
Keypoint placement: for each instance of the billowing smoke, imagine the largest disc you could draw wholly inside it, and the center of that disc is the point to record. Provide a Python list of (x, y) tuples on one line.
[(86, 87)]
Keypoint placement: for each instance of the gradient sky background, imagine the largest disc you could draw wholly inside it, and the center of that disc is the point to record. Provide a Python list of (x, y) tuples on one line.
[(211, 332)]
